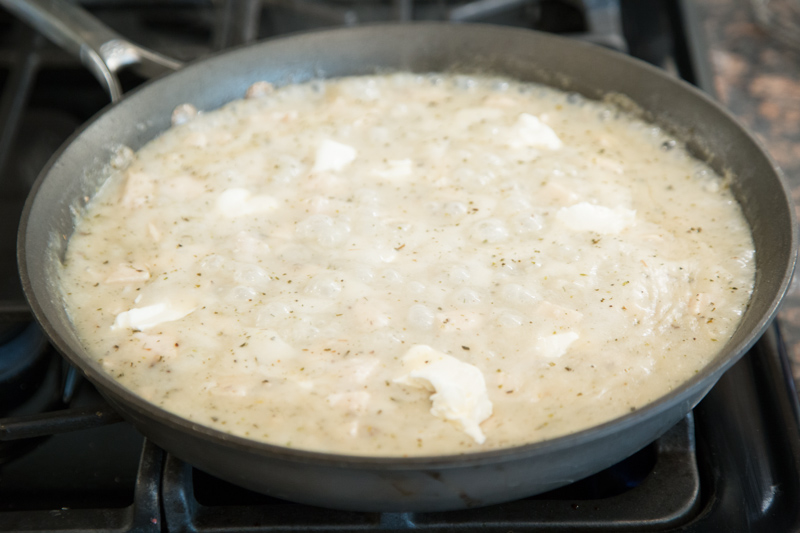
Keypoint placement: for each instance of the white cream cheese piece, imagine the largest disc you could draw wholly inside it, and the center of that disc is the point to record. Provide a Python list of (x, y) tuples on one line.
[(554, 346), (332, 155), (236, 202), (460, 390), (584, 216), (141, 318), (530, 131)]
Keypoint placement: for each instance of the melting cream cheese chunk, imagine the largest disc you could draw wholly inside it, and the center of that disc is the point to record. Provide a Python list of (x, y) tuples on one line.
[(460, 390), (141, 318), (238, 202), (530, 131), (332, 155), (584, 216), (407, 265)]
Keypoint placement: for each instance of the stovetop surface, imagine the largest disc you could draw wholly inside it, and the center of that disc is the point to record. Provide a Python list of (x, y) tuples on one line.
[(731, 465)]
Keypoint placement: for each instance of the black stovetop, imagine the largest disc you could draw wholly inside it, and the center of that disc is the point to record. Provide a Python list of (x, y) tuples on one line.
[(733, 464), (730, 465)]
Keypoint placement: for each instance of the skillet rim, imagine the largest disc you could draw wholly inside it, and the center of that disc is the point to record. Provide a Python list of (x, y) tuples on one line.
[(705, 379)]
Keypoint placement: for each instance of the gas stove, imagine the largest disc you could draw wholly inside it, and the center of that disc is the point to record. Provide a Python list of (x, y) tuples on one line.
[(68, 462)]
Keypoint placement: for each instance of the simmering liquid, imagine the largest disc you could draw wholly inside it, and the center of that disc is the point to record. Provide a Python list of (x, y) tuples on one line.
[(408, 265)]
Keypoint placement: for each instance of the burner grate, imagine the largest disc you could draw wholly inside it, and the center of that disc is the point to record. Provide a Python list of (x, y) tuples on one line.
[(142, 515), (667, 493), (733, 462)]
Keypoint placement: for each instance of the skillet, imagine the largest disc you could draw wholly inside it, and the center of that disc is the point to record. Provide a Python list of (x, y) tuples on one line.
[(421, 483)]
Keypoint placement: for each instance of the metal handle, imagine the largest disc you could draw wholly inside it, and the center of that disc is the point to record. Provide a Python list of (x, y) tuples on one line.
[(102, 50), (56, 422)]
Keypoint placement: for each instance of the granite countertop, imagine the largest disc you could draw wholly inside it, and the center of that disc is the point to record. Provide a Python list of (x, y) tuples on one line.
[(757, 77)]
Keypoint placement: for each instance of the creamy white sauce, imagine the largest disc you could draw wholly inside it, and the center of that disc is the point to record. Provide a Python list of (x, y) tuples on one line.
[(408, 265)]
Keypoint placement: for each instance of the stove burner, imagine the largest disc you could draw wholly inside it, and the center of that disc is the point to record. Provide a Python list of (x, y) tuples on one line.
[(30, 383), (23, 364), (195, 501)]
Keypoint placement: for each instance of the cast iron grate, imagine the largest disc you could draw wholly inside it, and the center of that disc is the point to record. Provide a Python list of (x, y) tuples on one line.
[(732, 464), (658, 486)]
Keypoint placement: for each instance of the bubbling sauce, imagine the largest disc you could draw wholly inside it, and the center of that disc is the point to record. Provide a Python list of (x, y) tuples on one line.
[(407, 265)]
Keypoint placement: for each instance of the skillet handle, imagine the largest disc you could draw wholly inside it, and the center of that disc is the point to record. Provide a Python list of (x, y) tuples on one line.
[(103, 51)]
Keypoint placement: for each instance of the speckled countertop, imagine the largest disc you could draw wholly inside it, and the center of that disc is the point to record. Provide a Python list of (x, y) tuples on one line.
[(758, 78)]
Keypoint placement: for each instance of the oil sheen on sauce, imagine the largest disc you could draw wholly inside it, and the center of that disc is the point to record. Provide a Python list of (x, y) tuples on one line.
[(407, 265)]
